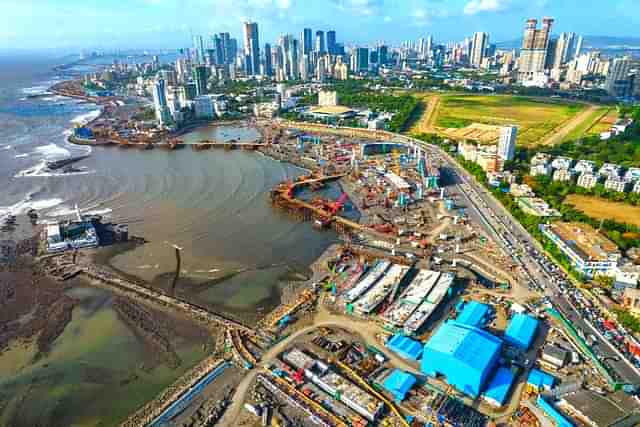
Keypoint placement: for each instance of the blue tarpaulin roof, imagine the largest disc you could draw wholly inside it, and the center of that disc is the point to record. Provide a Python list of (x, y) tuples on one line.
[(521, 331), (499, 386), (540, 380), (399, 383), (474, 314), (552, 412), (405, 347), (466, 355)]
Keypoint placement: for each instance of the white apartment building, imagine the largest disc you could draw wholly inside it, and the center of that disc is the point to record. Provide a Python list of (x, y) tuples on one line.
[(588, 180)]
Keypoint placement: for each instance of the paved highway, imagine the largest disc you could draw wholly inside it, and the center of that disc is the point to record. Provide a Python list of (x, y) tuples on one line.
[(526, 252)]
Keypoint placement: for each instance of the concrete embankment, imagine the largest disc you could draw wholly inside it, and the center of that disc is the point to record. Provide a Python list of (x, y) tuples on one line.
[(173, 394), (194, 312)]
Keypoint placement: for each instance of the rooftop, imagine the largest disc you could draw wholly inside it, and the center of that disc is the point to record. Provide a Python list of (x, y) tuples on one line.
[(405, 347), (399, 383), (585, 239), (604, 411), (472, 346), (474, 314), (334, 110), (499, 386), (521, 331)]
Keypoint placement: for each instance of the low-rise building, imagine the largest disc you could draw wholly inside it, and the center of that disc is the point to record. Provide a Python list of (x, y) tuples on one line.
[(555, 356), (610, 170), (561, 162), (588, 180), (563, 175), (636, 187), (632, 174), (540, 159), (631, 300), (543, 169), (536, 206), (585, 166), (617, 184), (521, 190), (589, 252)]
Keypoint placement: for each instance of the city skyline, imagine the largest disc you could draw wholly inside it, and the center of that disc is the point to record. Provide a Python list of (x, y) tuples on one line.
[(170, 23)]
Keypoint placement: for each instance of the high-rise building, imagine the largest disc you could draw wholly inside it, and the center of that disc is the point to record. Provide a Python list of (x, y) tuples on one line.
[(225, 44), (383, 52), (320, 42), (268, 65), (578, 47), (306, 38), (534, 48), (619, 81), (478, 48), (160, 102), (218, 47), (200, 76), (362, 60), (507, 142), (198, 46), (331, 42), (304, 67), (252, 48)]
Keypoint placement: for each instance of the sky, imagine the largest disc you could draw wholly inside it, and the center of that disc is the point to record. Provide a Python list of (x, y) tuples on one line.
[(101, 24)]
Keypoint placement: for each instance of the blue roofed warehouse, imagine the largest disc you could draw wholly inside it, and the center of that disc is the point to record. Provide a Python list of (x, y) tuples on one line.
[(405, 347), (399, 383), (499, 387), (466, 355), (521, 331), (475, 314)]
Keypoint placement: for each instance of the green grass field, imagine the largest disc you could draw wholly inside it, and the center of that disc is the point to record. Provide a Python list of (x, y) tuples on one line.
[(585, 128), (534, 118)]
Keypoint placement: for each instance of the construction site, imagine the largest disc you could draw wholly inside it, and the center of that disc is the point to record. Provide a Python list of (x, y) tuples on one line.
[(415, 318)]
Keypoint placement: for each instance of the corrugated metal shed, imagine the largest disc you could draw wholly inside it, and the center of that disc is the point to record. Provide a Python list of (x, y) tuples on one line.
[(466, 355), (405, 347), (475, 314), (399, 383), (553, 413), (540, 380), (521, 331), (499, 386)]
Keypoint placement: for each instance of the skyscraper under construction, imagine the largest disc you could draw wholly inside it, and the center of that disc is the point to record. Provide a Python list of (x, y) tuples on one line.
[(534, 48)]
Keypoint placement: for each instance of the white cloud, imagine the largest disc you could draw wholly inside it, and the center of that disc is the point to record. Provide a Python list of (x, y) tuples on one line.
[(477, 6), (387, 19)]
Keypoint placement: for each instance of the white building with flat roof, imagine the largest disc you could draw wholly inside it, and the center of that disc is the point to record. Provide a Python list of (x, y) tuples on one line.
[(617, 184), (585, 166), (610, 170), (563, 175), (328, 98), (588, 180), (562, 163)]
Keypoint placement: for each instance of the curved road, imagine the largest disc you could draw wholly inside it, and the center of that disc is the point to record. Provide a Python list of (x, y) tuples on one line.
[(363, 329)]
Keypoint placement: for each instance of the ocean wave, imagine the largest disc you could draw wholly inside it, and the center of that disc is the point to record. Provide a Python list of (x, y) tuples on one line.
[(36, 90), (28, 203), (5, 147), (41, 170), (21, 156), (52, 150), (68, 211), (85, 117)]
